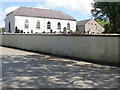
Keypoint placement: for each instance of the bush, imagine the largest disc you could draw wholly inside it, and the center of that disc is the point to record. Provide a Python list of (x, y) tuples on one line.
[(2, 29)]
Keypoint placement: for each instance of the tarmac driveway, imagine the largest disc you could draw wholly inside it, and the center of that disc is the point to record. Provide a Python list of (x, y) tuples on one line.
[(22, 69)]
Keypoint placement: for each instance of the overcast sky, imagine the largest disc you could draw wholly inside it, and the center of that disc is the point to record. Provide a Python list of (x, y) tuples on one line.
[(80, 9)]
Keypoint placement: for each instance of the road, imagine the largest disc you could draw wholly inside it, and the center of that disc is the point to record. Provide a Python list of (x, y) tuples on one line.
[(22, 69)]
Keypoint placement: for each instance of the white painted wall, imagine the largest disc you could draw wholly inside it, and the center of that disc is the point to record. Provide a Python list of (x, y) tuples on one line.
[(92, 48), (20, 20), (10, 18)]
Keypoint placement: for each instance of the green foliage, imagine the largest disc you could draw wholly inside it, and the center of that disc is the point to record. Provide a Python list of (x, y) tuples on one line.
[(104, 23), (2, 29), (110, 13)]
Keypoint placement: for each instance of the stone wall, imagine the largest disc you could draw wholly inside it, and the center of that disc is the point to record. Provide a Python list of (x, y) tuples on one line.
[(95, 48)]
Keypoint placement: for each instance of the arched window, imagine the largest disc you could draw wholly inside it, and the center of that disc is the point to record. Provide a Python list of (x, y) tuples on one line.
[(59, 26), (68, 26), (95, 26), (26, 24), (48, 25), (38, 24)]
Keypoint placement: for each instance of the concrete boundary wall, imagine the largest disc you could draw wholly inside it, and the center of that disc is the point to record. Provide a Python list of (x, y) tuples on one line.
[(98, 48)]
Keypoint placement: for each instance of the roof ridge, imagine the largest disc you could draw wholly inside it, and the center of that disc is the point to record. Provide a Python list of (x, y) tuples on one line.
[(17, 8), (38, 12), (39, 8), (12, 11), (85, 20)]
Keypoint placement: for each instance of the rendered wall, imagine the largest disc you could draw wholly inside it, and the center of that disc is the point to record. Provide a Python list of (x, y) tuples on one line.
[(91, 27), (20, 20), (98, 48), (10, 19)]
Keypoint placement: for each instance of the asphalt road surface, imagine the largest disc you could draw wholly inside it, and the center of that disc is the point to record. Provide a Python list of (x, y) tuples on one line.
[(22, 69)]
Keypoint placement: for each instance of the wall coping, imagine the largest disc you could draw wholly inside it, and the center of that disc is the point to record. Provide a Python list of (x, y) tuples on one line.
[(96, 35)]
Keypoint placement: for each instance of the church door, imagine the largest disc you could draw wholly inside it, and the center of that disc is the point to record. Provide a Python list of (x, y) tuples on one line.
[(9, 30), (64, 30), (16, 29)]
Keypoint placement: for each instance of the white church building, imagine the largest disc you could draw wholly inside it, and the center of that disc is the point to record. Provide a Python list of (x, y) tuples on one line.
[(36, 20)]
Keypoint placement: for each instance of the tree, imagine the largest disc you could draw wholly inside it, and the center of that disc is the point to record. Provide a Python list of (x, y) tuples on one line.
[(2, 29), (105, 24), (108, 11)]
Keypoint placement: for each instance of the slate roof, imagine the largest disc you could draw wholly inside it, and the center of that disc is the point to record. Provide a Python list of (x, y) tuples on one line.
[(44, 13), (83, 22)]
